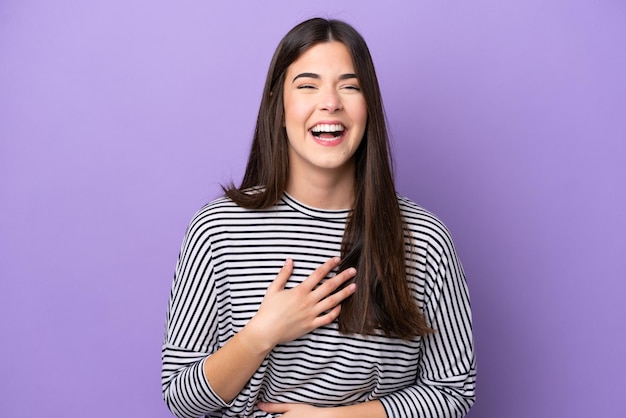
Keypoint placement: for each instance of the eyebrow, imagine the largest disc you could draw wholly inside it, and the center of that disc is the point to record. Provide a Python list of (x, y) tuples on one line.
[(342, 77)]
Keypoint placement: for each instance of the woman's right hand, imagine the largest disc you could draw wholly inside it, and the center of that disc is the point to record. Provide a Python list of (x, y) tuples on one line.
[(286, 314)]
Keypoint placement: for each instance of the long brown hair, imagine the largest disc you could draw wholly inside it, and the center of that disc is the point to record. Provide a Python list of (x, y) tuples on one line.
[(373, 241)]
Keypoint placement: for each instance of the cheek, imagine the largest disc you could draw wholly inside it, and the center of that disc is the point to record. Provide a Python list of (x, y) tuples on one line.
[(360, 117), (362, 112), (357, 111), (296, 115)]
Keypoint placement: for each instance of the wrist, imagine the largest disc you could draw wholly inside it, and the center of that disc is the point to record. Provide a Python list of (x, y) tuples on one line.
[(256, 338)]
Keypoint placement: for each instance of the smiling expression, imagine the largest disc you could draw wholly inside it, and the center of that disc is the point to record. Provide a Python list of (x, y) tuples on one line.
[(325, 111)]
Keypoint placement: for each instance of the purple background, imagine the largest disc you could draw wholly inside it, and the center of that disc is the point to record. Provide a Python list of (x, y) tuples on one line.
[(119, 119)]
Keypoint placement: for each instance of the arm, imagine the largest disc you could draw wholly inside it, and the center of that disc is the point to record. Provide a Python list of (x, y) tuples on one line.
[(283, 316), (445, 384), (447, 372), (192, 326), (201, 373), (370, 409), (446, 381)]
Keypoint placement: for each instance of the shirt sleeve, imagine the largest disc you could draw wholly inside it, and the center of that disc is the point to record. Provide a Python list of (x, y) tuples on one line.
[(191, 329), (446, 381)]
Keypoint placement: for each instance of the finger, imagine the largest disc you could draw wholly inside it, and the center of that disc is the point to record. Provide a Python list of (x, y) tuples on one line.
[(332, 284), (320, 273), (272, 408), (327, 318), (335, 299), (283, 275)]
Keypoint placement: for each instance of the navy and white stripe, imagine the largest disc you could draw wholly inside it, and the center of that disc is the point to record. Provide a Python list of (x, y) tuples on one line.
[(229, 257)]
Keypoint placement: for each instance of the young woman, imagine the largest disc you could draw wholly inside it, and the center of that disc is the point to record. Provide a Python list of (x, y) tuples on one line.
[(313, 289)]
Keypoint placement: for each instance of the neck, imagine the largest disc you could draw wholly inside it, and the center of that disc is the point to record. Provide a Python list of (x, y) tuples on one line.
[(323, 190)]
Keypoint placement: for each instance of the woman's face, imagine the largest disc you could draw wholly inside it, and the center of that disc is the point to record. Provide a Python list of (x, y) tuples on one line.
[(325, 111)]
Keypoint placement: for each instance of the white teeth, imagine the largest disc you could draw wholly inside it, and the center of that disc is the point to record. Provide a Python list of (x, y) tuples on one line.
[(326, 127)]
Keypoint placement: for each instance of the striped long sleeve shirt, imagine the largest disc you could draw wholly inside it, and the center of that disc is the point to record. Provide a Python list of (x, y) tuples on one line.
[(229, 257)]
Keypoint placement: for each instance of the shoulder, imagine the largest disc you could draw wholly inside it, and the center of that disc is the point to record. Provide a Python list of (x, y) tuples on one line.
[(417, 216), (223, 212), (219, 207), (425, 225), (217, 212)]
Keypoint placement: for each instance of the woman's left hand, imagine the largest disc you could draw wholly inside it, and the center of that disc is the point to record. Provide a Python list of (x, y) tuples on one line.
[(293, 410), (369, 409)]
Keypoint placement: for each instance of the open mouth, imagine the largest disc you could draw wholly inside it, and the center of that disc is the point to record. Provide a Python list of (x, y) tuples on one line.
[(328, 132)]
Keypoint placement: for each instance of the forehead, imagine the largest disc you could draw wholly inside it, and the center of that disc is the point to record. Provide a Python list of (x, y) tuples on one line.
[(325, 57)]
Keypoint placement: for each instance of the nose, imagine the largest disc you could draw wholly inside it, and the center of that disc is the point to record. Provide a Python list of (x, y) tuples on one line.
[(330, 101)]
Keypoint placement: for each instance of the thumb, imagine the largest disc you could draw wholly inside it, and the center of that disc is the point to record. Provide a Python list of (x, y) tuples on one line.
[(273, 408)]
